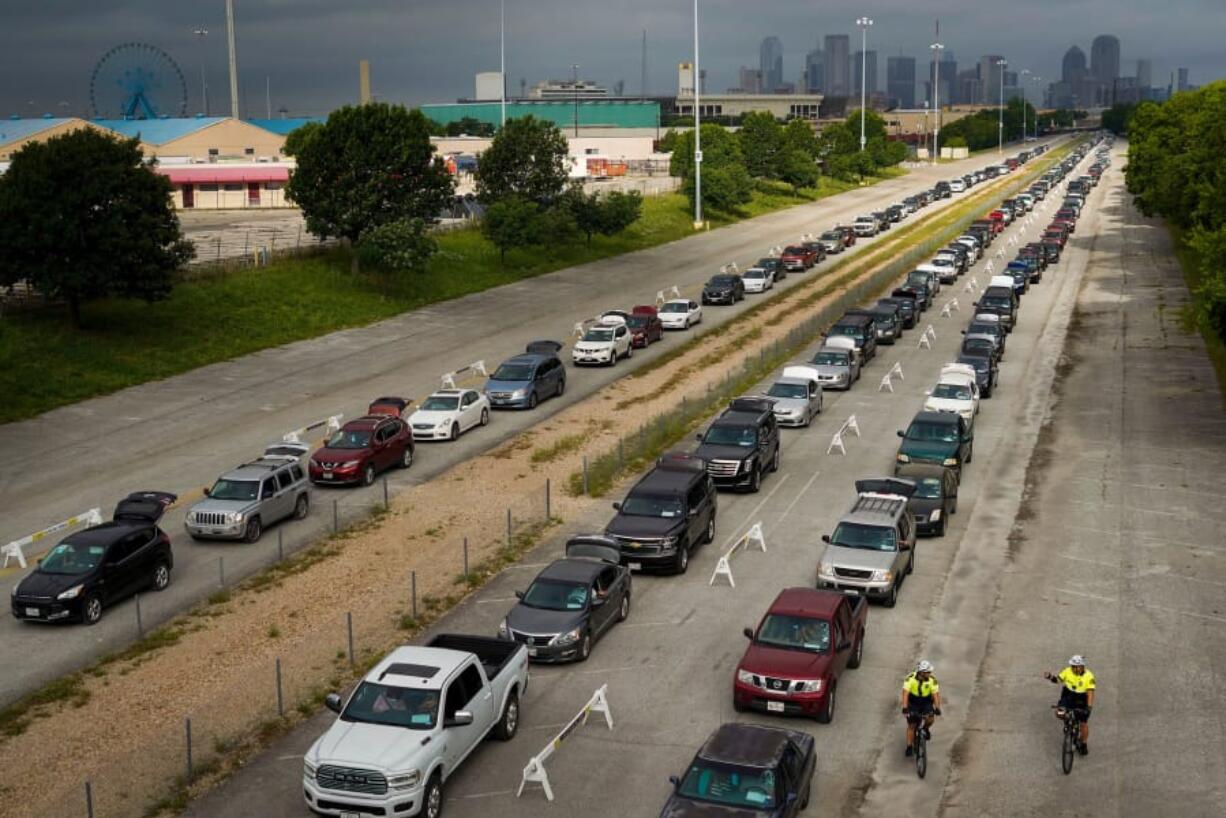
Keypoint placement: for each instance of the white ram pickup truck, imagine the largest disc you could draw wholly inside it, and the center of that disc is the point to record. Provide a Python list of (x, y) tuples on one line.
[(410, 724)]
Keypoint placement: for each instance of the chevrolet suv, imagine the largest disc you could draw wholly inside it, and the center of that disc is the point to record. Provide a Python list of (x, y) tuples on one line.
[(360, 449), (245, 500), (668, 513), (741, 444)]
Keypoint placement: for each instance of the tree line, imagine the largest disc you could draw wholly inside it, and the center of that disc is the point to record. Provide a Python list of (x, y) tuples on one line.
[(1175, 170), (982, 129)]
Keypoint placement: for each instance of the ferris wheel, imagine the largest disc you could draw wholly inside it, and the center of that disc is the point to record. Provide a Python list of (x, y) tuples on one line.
[(137, 81)]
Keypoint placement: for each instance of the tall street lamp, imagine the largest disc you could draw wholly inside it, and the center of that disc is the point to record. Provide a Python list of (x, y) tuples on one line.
[(697, 129), (1021, 80), (863, 23), (1036, 79), (502, 59), (936, 106), (574, 67), (204, 88), (1001, 111)]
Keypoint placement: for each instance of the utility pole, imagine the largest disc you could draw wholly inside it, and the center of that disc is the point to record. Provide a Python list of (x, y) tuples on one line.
[(233, 59), (697, 131), (268, 96), (574, 67), (1021, 78), (643, 77), (936, 104), (863, 23), (1000, 116), (201, 33), (502, 59)]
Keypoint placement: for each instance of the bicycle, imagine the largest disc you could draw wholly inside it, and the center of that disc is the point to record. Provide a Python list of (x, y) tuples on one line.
[(1072, 735), (919, 745)]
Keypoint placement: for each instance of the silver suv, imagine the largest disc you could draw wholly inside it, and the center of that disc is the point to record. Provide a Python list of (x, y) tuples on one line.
[(873, 546), (245, 500)]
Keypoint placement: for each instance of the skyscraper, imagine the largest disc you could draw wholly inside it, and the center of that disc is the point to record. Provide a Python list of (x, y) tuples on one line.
[(750, 81), (815, 71), (1074, 66), (770, 63), (900, 80), (1183, 80), (866, 62), (1105, 59), (838, 68), (1145, 77), (990, 79), (947, 78)]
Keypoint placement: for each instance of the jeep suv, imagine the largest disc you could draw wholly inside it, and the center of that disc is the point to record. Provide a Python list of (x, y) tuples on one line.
[(741, 444), (360, 449), (872, 548), (249, 498), (861, 328), (667, 514)]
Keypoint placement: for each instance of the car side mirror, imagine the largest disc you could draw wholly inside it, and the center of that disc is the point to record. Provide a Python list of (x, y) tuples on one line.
[(928, 392), (460, 718), (333, 702), (904, 546), (748, 633), (617, 506), (964, 332), (901, 433), (791, 798), (844, 645), (675, 781), (207, 491), (826, 538), (698, 437), (519, 594), (598, 601)]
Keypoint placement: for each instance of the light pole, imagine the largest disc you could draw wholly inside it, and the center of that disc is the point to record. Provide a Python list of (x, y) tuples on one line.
[(574, 67), (697, 130), (233, 59), (936, 105), (1021, 80), (204, 88), (1000, 116), (863, 23), (1035, 78)]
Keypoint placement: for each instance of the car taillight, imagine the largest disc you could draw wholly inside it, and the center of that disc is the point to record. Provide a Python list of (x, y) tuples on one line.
[(163, 538)]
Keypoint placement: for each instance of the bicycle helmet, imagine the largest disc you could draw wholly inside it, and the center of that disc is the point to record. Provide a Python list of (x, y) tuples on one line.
[(924, 666), (1077, 661)]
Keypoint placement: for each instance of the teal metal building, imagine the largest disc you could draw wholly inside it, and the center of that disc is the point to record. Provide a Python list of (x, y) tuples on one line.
[(593, 113)]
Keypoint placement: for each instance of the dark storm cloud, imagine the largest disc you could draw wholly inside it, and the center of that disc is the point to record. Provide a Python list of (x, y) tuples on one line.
[(429, 50)]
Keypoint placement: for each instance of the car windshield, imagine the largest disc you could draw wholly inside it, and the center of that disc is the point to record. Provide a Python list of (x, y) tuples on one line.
[(951, 391), (72, 558), (636, 321), (343, 439), (984, 328), (980, 363), (977, 345), (768, 263), (832, 236), (602, 334), (788, 390), (794, 633), (917, 278), (236, 489), (996, 301), (551, 595), (928, 488), (933, 432), (744, 436), (650, 505), (438, 403), (868, 537), (845, 329), (722, 281), (755, 274), (942, 261), (794, 251), (376, 703), (513, 372), (734, 786), (676, 306), (830, 359)]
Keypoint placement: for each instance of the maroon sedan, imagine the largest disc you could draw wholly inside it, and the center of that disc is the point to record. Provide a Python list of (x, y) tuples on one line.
[(362, 448), (645, 327)]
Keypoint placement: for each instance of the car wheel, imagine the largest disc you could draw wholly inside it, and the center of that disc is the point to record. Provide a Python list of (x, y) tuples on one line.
[(455, 431), (940, 533), (161, 577), (755, 483), (911, 563), (91, 609), (623, 613), (630, 351), (368, 474), (532, 400), (891, 600), (432, 800), (508, 725), (254, 529), (857, 654), (827, 714), (302, 507), (775, 461), (561, 386), (737, 706), (953, 508), (406, 456), (585, 647), (613, 356), (683, 560), (485, 417), (970, 453), (708, 536)]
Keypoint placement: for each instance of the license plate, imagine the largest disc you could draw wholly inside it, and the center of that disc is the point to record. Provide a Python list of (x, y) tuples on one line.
[(636, 566), (774, 707), (351, 815), (328, 476), (32, 612), (532, 651), (216, 532)]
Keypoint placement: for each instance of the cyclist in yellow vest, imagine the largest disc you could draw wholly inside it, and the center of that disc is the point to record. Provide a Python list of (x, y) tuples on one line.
[(921, 701), (1076, 694)]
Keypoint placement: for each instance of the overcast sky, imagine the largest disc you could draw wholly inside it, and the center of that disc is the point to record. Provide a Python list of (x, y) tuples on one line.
[(429, 50)]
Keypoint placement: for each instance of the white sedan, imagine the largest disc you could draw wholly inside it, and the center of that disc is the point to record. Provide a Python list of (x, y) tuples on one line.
[(757, 280), (448, 413), (680, 313), (605, 343)]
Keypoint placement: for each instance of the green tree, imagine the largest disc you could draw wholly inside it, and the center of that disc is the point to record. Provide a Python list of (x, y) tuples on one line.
[(606, 215), (368, 165), (82, 217), (797, 168), (724, 187), (798, 135), (529, 158), (719, 147), (761, 139), (403, 246), (510, 222), (874, 125)]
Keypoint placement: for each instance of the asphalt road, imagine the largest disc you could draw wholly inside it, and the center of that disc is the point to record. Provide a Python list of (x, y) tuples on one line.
[(669, 667), (180, 433)]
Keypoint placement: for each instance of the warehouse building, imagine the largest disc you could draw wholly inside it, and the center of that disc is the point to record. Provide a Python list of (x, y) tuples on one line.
[(591, 113)]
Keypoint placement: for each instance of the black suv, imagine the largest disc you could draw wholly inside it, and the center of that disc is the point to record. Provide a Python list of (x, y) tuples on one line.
[(773, 265), (861, 328), (723, 289), (101, 565), (667, 514), (741, 444)]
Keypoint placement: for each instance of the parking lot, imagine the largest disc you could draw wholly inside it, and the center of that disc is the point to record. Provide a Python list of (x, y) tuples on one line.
[(1060, 545)]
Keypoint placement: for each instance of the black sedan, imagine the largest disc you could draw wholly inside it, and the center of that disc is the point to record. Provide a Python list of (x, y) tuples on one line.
[(572, 603), (935, 496), (746, 770), (103, 564)]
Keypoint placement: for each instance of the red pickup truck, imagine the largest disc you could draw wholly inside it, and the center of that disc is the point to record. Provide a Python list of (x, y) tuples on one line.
[(798, 258), (799, 651)]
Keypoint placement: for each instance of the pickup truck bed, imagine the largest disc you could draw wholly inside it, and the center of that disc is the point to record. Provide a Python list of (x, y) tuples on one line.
[(493, 654)]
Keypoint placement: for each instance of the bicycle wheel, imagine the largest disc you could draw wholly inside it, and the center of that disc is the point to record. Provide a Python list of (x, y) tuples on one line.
[(921, 753), (1068, 750)]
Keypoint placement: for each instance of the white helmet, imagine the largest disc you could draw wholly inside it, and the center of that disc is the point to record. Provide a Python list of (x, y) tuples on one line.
[(924, 666), (1077, 661)]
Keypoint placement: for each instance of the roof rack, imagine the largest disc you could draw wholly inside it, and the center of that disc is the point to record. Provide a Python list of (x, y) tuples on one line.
[(752, 403), (681, 461), (879, 503)]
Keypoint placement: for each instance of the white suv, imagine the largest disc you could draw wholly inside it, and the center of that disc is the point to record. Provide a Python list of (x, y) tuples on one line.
[(604, 343)]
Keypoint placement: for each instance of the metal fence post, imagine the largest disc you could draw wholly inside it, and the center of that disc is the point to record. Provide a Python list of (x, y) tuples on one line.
[(585, 488), (188, 722), (221, 571), (280, 545), (349, 627), (413, 582), (466, 554), (280, 698), (386, 506), (140, 625), (336, 518), (508, 526), (548, 515), (89, 800), (621, 454)]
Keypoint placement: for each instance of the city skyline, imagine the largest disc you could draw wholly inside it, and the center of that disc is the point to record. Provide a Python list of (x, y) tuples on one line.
[(307, 51)]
